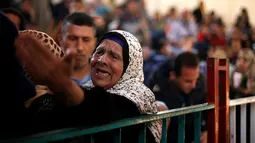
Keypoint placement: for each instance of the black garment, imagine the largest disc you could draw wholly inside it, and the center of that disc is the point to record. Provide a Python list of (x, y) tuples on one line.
[(150, 65), (197, 13), (5, 3), (236, 92), (18, 12), (173, 97), (59, 12), (98, 108), (161, 74), (15, 88)]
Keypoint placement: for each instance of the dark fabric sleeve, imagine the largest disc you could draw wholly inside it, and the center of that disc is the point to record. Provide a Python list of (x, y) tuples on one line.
[(168, 94), (204, 117), (12, 71), (99, 103), (101, 108), (47, 114), (98, 108), (54, 13), (159, 90), (15, 88), (203, 98)]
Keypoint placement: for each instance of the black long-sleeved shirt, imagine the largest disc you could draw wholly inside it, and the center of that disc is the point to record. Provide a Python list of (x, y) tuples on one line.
[(98, 108)]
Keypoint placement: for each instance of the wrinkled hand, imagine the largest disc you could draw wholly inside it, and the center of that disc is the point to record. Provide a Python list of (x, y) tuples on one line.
[(48, 69), (40, 62)]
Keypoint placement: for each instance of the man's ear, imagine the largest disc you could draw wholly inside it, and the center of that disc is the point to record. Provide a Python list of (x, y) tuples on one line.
[(58, 35), (172, 75)]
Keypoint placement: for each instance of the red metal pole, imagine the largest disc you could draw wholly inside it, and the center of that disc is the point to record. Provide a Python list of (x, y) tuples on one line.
[(224, 129), (212, 98)]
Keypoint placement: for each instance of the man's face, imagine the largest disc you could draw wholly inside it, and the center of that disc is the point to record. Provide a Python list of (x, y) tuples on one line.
[(82, 38), (188, 79), (14, 18)]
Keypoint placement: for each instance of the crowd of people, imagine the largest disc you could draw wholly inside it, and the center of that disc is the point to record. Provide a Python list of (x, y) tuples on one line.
[(67, 62)]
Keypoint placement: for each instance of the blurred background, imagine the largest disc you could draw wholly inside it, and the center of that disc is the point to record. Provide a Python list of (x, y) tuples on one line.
[(209, 28)]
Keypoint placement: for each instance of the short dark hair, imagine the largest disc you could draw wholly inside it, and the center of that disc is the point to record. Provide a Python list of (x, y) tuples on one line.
[(78, 18), (186, 59), (10, 10)]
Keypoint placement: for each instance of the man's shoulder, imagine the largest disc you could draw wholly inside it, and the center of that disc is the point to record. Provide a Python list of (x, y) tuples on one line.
[(165, 86)]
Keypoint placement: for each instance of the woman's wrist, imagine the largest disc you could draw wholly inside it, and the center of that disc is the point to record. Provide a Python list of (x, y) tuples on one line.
[(68, 92)]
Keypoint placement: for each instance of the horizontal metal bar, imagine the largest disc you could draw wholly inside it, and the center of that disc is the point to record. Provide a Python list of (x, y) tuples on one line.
[(241, 101), (222, 68), (81, 130), (185, 110)]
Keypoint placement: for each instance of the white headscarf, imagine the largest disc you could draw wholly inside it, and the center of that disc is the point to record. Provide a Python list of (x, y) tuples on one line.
[(131, 84)]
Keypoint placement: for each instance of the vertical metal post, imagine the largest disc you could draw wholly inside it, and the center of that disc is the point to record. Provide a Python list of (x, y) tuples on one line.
[(181, 129), (142, 134), (212, 98), (197, 130), (224, 129)]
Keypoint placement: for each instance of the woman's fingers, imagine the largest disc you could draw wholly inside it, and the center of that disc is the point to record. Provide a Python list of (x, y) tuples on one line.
[(68, 61), (37, 59)]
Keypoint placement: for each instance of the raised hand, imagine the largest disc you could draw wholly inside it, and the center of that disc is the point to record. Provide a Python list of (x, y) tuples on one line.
[(39, 60), (48, 69)]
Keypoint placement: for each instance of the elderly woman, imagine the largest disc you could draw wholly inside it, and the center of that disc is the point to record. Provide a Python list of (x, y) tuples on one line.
[(116, 90)]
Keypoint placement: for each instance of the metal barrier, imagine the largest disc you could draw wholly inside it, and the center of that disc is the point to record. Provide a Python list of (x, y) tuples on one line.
[(244, 130), (218, 126), (80, 131)]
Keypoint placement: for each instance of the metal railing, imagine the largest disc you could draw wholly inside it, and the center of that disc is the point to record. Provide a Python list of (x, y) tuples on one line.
[(81, 131), (242, 120)]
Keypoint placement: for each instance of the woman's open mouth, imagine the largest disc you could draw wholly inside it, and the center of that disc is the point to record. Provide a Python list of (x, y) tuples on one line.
[(101, 73)]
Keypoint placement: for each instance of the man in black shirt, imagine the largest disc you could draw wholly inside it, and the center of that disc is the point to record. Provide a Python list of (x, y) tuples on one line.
[(184, 86)]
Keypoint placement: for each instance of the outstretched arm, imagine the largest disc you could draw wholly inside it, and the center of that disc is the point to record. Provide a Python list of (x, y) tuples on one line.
[(48, 69)]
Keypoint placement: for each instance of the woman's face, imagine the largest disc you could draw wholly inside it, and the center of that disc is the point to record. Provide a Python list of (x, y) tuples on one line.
[(107, 64), (242, 64)]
